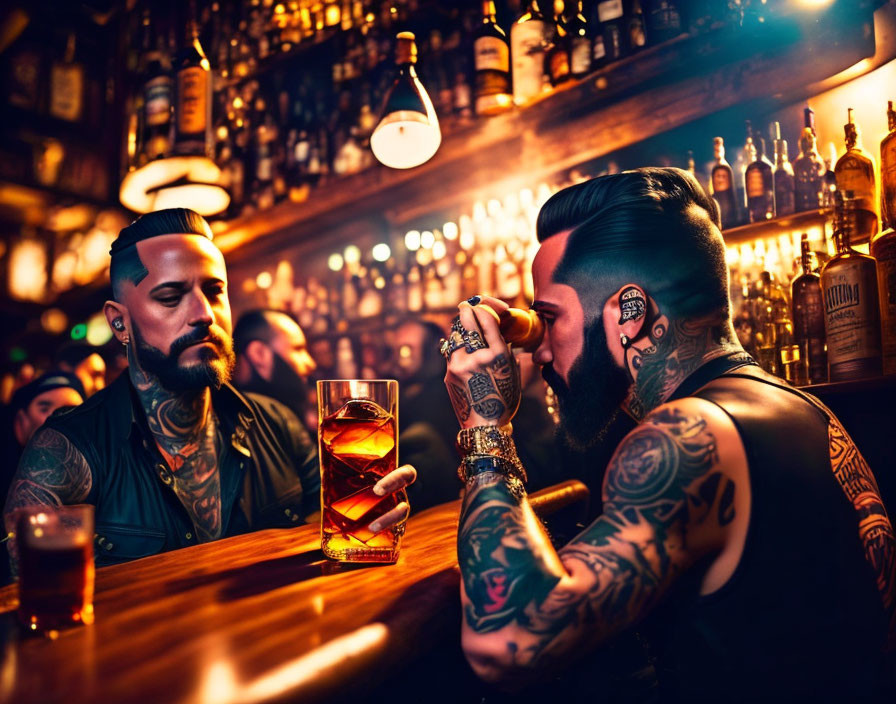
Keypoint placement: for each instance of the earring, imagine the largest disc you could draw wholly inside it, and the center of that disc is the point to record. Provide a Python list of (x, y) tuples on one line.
[(624, 341), (118, 324)]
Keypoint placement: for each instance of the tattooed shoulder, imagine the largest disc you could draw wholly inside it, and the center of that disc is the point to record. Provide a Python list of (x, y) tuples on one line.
[(52, 471)]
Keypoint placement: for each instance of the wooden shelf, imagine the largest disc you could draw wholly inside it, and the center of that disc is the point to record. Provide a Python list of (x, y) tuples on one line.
[(657, 90), (768, 228)]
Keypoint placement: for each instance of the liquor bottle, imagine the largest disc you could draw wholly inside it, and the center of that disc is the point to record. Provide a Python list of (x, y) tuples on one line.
[(664, 20), (158, 90), (557, 52), (492, 63), (745, 156), (637, 34), (883, 249), (24, 87), (759, 183), (609, 25), (808, 169), (829, 182), (783, 177), (67, 85), (808, 318), (579, 41), (854, 172), (721, 186), (852, 312), (193, 107), (883, 245), (527, 53), (888, 171)]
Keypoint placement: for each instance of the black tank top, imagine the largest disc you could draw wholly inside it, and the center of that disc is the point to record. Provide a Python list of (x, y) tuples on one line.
[(807, 612)]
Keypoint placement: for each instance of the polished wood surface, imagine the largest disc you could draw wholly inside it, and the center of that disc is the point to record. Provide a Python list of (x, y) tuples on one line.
[(261, 617)]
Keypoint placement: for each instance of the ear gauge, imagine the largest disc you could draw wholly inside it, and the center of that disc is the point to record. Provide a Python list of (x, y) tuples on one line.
[(624, 341)]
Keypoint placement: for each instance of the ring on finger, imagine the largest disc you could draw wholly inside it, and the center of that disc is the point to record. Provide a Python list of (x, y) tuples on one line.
[(473, 341)]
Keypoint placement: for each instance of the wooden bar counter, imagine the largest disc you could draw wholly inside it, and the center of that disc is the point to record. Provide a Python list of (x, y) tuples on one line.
[(261, 617)]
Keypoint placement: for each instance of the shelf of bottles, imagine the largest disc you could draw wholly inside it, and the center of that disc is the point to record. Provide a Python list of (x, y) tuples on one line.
[(786, 265), (297, 86)]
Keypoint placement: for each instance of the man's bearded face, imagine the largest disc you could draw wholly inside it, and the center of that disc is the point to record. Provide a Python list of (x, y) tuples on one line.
[(212, 367), (592, 400)]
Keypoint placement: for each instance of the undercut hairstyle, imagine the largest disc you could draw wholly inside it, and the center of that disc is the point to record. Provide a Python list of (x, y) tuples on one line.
[(255, 325), (126, 264), (655, 227)]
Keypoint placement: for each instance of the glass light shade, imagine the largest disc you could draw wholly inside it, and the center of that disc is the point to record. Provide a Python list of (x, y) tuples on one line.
[(179, 181), (408, 135)]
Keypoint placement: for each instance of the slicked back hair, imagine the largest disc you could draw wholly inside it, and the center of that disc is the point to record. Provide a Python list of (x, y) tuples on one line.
[(654, 227), (126, 264)]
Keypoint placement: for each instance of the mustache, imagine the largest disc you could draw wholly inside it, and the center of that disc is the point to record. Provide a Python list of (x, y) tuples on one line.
[(200, 334)]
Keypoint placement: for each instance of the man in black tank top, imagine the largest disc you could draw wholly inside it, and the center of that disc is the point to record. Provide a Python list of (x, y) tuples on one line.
[(742, 532)]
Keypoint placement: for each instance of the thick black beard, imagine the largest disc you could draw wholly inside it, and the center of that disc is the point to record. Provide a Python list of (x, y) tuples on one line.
[(592, 401), (215, 366)]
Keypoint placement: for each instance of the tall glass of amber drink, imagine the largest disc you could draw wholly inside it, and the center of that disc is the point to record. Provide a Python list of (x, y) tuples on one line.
[(55, 555), (358, 436)]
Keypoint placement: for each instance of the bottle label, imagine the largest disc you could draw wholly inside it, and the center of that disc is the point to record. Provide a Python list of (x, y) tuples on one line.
[(598, 48), (192, 91), (67, 92), (157, 101), (784, 197), (852, 175), (609, 10), (559, 64), (755, 183), (721, 180), (580, 56), (851, 312), (491, 54), (527, 50)]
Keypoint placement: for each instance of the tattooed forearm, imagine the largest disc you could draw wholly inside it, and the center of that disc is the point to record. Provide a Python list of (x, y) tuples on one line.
[(52, 472), (500, 561), (663, 482)]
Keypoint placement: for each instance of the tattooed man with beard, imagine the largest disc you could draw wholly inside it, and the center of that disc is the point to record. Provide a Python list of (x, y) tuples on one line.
[(742, 532), (170, 454)]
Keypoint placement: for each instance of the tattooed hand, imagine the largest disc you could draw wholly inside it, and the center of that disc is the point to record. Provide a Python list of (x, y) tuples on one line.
[(484, 385)]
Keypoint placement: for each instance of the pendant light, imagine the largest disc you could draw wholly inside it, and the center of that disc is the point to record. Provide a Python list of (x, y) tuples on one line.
[(408, 132)]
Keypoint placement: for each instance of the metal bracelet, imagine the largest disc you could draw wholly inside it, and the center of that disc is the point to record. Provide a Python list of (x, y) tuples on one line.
[(486, 440), (475, 464)]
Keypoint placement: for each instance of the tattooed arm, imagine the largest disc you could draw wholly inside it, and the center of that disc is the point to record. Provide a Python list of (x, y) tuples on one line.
[(675, 491), (51, 472)]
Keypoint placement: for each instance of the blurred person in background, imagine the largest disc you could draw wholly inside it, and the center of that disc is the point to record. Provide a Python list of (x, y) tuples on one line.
[(272, 359), (425, 420), (83, 360)]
